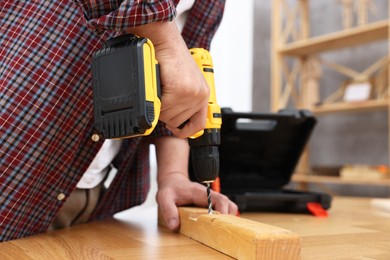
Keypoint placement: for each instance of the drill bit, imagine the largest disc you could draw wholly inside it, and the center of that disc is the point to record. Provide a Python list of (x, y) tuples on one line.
[(210, 207)]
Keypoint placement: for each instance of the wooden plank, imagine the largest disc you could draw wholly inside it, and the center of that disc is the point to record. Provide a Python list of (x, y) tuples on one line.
[(337, 180), (238, 237), (358, 106), (388, 90), (346, 38), (276, 58), (305, 20)]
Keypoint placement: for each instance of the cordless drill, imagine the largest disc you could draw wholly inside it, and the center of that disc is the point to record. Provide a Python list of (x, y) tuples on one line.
[(127, 99), (204, 151)]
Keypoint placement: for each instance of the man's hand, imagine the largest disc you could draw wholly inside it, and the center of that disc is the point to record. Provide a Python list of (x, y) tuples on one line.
[(184, 90), (177, 190), (174, 186)]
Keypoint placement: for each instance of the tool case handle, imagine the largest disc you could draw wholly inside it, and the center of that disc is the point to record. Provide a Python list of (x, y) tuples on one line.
[(268, 120), (286, 113)]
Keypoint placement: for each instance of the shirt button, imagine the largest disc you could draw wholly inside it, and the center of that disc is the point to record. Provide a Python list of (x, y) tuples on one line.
[(61, 196), (95, 137)]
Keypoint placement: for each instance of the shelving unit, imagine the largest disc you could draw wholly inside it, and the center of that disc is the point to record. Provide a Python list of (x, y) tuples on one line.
[(337, 40), (369, 105), (291, 41)]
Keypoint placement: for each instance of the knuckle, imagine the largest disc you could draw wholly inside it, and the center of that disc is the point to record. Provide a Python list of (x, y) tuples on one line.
[(195, 89), (205, 92)]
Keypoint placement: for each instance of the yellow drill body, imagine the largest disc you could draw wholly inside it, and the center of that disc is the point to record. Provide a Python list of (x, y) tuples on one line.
[(127, 99), (205, 63)]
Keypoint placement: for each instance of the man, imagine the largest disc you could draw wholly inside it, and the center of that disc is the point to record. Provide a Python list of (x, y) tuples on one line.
[(46, 121)]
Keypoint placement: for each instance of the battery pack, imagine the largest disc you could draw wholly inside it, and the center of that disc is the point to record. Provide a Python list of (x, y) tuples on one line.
[(126, 87)]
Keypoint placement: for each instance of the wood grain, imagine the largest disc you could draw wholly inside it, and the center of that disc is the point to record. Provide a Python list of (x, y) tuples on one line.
[(237, 237)]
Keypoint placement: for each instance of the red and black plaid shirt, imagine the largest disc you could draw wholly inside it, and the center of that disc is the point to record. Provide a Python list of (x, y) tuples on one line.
[(46, 100)]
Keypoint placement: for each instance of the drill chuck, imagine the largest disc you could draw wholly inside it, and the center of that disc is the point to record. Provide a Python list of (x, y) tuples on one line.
[(205, 155), (205, 160)]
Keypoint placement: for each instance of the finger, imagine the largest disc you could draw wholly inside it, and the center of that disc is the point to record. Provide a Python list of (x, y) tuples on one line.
[(178, 120), (168, 210), (233, 209), (198, 195), (196, 123), (223, 204), (180, 113)]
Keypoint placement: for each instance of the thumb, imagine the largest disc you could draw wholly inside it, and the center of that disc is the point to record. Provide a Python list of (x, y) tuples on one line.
[(169, 211)]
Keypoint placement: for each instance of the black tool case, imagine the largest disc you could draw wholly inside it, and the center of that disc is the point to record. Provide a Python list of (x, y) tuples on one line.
[(258, 155)]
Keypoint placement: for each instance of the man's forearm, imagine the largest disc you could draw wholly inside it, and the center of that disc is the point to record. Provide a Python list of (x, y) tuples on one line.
[(158, 32), (172, 156)]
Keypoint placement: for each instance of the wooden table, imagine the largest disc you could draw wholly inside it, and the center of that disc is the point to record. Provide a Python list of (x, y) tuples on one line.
[(355, 229)]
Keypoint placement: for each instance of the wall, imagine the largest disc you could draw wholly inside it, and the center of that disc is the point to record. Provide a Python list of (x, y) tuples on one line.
[(232, 55)]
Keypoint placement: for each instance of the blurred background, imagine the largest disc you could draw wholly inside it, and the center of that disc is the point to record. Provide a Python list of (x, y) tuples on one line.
[(242, 51)]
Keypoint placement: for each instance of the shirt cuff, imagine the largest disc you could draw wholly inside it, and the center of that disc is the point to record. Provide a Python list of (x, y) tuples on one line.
[(120, 15), (159, 131)]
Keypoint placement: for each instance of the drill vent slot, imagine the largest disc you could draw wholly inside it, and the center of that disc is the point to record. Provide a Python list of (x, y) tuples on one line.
[(119, 125)]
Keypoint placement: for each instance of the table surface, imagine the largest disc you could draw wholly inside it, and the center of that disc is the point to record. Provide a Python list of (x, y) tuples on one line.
[(356, 228)]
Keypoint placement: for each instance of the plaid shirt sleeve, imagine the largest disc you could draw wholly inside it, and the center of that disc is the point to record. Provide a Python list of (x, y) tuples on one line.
[(118, 15), (202, 23)]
